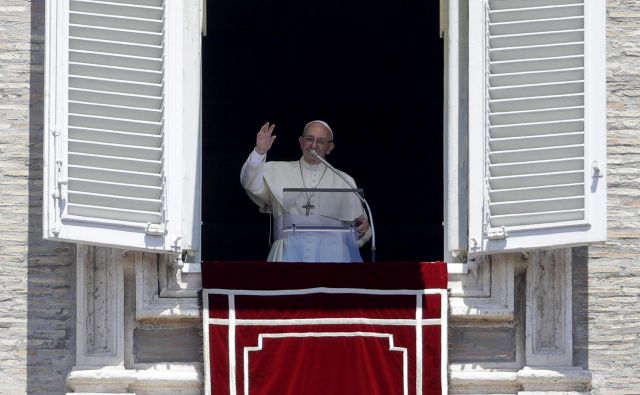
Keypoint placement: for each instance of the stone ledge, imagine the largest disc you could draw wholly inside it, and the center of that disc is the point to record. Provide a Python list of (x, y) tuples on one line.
[(525, 381), (483, 382), (558, 375), (553, 393), (160, 379)]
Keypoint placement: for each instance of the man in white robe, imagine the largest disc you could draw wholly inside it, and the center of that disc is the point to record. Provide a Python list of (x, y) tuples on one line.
[(265, 181)]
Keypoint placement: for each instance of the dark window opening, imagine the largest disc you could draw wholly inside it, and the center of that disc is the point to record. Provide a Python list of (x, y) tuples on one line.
[(372, 70)]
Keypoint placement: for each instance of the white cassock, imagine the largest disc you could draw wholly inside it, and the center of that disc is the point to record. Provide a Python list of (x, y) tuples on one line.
[(264, 183)]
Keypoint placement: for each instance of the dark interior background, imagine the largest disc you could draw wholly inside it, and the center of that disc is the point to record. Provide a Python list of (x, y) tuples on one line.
[(371, 69)]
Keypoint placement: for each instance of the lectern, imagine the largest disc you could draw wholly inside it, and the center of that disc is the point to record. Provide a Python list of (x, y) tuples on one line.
[(318, 224)]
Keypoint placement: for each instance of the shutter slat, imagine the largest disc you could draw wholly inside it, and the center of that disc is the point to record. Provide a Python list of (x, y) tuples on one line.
[(532, 206), (98, 97), (150, 3), (537, 128), (536, 51), (536, 77), (537, 218), (527, 142), (535, 13), (115, 163), (527, 65), (543, 192), (116, 86), (107, 8), (541, 25), (520, 117), (554, 88), (118, 189), (515, 4), (113, 201), (537, 206), (536, 154), (106, 136), (117, 73), (536, 103), (137, 24), (115, 47), (116, 35), (539, 179), (113, 214), (114, 175), (131, 113), (130, 152), (122, 61), (536, 167), (115, 124), (537, 39)]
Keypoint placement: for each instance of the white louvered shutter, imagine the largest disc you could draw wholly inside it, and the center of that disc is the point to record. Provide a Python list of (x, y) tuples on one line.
[(116, 124), (536, 124)]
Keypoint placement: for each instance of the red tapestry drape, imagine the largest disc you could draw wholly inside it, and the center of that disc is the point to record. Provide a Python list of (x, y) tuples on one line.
[(318, 328)]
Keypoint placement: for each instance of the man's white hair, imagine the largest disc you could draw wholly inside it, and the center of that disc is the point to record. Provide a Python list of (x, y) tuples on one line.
[(323, 123)]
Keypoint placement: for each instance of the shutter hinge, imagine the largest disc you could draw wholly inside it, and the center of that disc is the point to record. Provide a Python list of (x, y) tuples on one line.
[(60, 180), (156, 229), (55, 229), (496, 234)]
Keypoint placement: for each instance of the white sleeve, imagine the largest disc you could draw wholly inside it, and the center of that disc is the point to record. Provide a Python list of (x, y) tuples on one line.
[(252, 173)]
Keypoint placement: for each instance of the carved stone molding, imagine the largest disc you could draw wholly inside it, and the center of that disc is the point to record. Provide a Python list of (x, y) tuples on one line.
[(100, 300), (488, 343), (160, 291), (549, 303), (486, 291), (474, 283)]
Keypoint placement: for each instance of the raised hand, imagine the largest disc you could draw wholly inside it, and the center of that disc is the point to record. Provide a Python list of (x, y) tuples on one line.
[(264, 138)]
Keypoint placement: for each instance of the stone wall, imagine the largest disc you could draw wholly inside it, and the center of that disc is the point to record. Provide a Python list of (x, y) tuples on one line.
[(37, 284), (613, 308), (614, 326)]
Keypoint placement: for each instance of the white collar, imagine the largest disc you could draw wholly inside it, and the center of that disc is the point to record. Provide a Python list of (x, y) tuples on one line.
[(311, 167)]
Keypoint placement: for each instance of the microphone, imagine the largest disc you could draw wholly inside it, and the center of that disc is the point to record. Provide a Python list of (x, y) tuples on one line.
[(366, 205)]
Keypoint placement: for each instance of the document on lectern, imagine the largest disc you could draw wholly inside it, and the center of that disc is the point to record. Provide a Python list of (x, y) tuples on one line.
[(318, 224)]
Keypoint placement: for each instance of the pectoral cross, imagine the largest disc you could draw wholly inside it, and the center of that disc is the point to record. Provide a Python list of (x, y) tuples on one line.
[(308, 207)]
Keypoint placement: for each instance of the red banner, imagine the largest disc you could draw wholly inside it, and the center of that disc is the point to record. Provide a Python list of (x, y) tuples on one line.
[(317, 328)]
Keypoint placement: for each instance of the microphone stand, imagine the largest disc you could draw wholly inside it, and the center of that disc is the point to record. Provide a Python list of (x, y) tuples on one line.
[(366, 205)]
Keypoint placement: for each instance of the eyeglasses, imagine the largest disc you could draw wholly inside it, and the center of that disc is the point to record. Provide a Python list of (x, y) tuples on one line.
[(312, 140)]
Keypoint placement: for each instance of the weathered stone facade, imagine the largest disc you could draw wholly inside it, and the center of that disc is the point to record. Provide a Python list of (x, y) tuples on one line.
[(38, 295), (613, 307), (37, 286)]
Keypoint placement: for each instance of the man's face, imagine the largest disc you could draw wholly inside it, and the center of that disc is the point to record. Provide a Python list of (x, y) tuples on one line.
[(316, 137)]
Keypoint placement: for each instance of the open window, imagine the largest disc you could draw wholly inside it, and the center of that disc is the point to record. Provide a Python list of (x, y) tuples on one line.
[(122, 123), (372, 70), (524, 141)]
